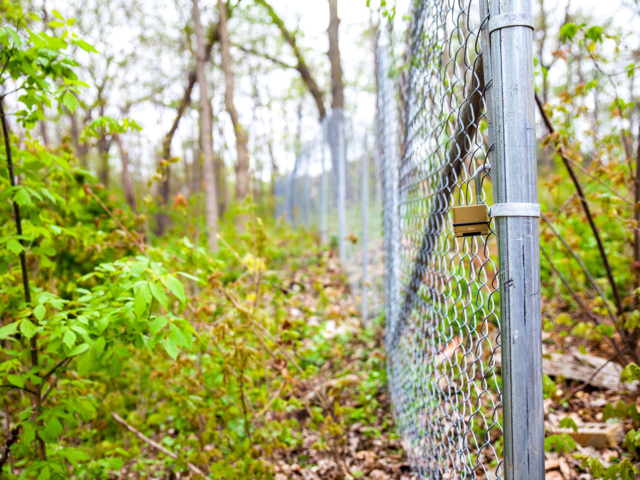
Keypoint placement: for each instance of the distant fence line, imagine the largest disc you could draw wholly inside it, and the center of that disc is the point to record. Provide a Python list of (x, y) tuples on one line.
[(434, 212)]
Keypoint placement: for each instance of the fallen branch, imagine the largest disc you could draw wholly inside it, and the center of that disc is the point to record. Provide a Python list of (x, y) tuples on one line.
[(155, 445), (13, 438), (595, 371), (586, 382)]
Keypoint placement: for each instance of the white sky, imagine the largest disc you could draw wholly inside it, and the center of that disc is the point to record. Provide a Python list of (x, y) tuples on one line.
[(312, 16)]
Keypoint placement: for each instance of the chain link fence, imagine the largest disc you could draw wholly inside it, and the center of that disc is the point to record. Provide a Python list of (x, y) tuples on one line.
[(433, 212), (444, 332), (335, 190)]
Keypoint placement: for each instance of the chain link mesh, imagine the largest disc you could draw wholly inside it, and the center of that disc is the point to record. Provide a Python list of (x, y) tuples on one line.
[(443, 328), (430, 144), (312, 195)]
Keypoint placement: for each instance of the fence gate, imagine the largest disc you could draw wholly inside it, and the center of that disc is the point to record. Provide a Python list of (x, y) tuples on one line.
[(457, 138)]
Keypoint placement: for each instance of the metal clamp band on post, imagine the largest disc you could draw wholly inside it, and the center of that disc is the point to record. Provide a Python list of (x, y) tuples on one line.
[(511, 20), (514, 210)]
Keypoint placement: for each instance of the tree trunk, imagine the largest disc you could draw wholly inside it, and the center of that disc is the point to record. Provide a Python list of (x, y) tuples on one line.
[(242, 165), (127, 182), (104, 146), (75, 132), (206, 139), (44, 132), (336, 125), (337, 85), (164, 187)]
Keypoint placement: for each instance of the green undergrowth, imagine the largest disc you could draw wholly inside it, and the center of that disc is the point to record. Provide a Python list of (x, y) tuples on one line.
[(123, 355)]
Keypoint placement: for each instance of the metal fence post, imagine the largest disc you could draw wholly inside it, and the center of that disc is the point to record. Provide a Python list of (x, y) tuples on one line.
[(516, 211), (324, 187), (292, 194), (364, 199), (307, 188), (390, 186), (338, 117)]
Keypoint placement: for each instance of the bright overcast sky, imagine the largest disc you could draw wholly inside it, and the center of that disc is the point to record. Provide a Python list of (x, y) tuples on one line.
[(312, 18)]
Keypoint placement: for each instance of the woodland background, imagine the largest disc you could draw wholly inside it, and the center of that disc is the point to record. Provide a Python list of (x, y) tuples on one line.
[(157, 321)]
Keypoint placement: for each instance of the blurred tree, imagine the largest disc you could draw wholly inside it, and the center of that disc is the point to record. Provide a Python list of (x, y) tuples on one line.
[(206, 139)]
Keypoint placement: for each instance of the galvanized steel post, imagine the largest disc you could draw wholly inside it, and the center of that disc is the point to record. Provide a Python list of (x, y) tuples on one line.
[(516, 196), (324, 204), (338, 117), (306, 194), (364, 200), (390, 186)]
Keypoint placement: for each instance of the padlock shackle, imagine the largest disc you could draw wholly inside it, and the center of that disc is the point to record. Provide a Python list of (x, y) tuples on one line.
[(482, 168)]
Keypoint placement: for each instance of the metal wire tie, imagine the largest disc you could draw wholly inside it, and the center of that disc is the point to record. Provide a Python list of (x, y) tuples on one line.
[(511, 20), (514, 210)]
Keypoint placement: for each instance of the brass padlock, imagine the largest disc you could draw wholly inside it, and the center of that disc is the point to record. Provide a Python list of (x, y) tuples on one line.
[(474, 219), (470, 221)]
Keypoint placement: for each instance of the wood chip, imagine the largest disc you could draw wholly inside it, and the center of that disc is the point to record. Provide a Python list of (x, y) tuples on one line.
[(554, 475)]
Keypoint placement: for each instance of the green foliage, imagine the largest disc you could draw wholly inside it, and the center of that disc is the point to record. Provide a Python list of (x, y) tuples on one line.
[(568, 422), (548, 386), (561, 443), (621, 411), (625, 470), (630, 373)]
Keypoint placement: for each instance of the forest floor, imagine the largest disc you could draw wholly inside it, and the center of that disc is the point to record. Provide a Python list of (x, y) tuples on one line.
[(358, 438)]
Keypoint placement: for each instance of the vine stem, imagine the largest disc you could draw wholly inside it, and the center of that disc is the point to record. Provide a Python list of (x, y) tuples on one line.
[(585, 206), (25, 275)]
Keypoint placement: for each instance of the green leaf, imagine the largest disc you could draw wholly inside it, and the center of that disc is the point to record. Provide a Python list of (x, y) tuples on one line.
[(116, 366), (45, 473), (56, 24), (607, 330), (16, 380), (141, 300), (78, 349), (569, 30), (51, 430), (15, 246), (22, 197), (71, 22), (99, 346), (177, 288), (8, 330), (629, 374), (69, 338), (176, 335), (80, 330), (85, 46), (70, 101), (86, 362), (157, 325), (568, 422), (40, 311), (27, 328), (171, 348), (159, 295), (14, 36), (57, 14), (594, 33)]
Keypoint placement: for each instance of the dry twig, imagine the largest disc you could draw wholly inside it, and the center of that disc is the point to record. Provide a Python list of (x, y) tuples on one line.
[(155, 445)]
